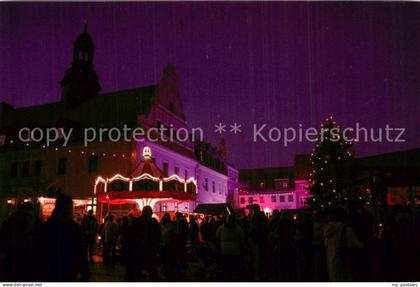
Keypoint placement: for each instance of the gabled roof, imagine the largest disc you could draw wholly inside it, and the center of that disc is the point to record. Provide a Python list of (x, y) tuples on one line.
[(400, 159), (104, 110), (268, 175), (114, 109), (253, 177)]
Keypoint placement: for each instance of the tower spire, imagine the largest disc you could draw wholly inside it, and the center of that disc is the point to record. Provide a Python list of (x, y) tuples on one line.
[(80, 81), (86, 25)]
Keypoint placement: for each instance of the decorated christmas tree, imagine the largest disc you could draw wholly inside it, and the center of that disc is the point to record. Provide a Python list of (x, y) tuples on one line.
[(331, 179)]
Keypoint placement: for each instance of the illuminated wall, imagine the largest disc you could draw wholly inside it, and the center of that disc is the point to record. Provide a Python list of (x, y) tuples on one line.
[(185, 166), (277, 199), (76, 180)]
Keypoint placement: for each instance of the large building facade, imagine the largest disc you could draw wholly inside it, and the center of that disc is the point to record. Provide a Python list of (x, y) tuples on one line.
[(32, 170), (275, 188), (388, 179)]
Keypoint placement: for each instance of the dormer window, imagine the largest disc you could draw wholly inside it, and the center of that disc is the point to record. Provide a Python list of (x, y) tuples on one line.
[(165, 168), (83, 55), (281, 183)]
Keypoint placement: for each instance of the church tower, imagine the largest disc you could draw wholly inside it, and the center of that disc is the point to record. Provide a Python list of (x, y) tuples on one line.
[(80, 81), (167, 93)]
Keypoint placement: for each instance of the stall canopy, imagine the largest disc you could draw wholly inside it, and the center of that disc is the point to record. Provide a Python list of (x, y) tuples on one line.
[(213, 208)]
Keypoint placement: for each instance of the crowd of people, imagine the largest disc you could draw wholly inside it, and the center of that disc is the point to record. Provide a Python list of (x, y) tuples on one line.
[(339, 245)]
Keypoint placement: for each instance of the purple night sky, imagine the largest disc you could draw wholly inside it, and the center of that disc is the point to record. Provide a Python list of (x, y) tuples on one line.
[(283, 64)]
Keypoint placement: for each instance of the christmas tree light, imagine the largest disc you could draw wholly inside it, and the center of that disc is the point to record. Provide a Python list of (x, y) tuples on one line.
[(329, 185)]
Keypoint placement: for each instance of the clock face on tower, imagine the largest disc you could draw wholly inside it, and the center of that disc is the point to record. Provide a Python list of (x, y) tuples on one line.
[(147, 153)]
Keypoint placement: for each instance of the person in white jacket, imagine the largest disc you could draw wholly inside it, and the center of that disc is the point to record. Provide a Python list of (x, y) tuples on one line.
[(340, 239)]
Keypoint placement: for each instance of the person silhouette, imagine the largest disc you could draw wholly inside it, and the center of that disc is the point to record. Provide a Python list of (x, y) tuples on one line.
[(90, 229), (231, 239), (18, 245), (63, 248), (340, 245), (143, 243), (258, 234), (111, 233)]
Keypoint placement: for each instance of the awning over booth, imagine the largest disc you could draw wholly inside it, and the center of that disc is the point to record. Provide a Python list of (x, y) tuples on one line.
[(146, 183)]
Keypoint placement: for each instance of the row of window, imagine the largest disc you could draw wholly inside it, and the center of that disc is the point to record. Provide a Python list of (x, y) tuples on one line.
[(165, 169), (282, 198), (206, 180), (206, 185), (172, 132), (302, 187), (213, 186), (14, 169), (279, 184), (37, 167)]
